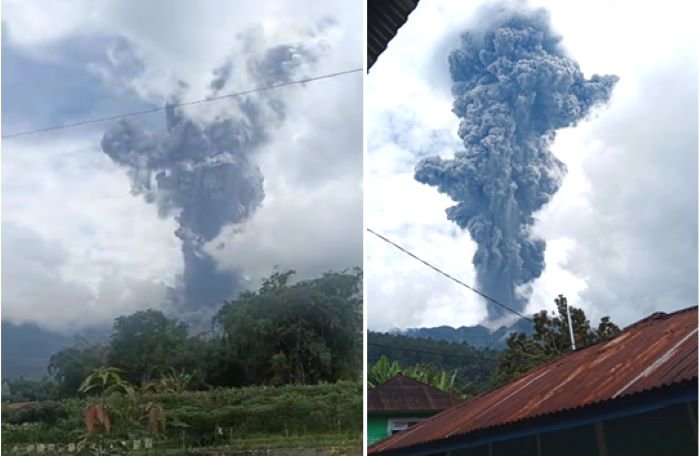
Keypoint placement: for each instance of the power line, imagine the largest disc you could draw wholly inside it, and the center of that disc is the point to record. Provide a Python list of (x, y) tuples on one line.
[(454, 279), (428, 352), (188, 103)]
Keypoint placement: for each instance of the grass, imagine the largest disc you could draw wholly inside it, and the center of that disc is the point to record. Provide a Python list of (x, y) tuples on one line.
[(300, 441)]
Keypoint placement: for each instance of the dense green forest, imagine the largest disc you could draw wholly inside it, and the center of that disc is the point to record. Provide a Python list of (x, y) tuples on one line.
[(474, 367), (284, 360)]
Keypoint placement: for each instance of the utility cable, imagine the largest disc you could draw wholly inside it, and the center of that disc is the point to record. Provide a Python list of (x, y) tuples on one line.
[(176, 105), (454, 279)]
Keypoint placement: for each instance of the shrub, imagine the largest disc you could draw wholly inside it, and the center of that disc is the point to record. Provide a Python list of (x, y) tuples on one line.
[(204, 417)]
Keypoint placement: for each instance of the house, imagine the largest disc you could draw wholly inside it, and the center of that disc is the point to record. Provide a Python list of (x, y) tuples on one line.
[(402, 402), (636, 394)]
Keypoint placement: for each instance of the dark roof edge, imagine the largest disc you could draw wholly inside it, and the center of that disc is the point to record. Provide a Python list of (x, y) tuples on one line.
[(404, 412)]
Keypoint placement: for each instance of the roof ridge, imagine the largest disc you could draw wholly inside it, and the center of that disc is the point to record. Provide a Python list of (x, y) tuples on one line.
[(658, 315), (648, 319), (401, 375)]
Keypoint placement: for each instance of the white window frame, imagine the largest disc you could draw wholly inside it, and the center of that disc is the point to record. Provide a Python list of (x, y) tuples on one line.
[(394, 423)]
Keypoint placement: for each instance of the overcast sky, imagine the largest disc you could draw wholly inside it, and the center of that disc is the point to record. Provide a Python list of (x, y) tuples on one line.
[(622, 230), (77, 248)]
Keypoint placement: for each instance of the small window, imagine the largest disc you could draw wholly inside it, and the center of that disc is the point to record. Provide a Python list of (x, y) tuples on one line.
[(399, 425)]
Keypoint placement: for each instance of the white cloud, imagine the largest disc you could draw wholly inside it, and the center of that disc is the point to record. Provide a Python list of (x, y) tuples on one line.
[(408, 116), (77, 247), (181, 40), (311, 218), (402, 292), (635, 222), (30, 25)]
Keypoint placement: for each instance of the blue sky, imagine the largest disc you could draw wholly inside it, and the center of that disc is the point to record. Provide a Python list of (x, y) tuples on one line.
[(64, 73), (78, 248), (621, 232)]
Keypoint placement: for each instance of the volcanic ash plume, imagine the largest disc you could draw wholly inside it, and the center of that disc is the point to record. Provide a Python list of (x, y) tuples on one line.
[(514, 87), (201, 172)]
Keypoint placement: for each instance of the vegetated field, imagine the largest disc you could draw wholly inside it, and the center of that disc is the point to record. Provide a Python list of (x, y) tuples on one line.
[(250, 417)]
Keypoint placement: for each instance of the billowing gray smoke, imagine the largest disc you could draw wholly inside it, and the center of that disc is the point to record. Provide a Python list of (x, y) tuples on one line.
[(514, 86), (201, 172)]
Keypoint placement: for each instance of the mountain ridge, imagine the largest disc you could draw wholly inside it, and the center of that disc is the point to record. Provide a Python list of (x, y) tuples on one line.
[(478, 335), (28, 347)]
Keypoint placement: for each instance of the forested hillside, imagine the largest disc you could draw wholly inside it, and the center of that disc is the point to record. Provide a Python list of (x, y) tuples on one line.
[(477, 336), (474, 366), (284, 361)]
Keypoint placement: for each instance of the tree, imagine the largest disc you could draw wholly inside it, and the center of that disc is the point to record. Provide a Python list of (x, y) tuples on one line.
[(146, 344), (305, 332), (285, 332), (70, 366), (550, 340)]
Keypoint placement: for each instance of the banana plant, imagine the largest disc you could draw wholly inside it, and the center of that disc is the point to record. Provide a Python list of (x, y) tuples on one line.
[(382, 371), (107, 380), (173, 382)]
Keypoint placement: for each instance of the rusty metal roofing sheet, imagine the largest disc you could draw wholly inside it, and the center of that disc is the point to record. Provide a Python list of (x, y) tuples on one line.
[(404, 394), (657, 351), (384, 18)]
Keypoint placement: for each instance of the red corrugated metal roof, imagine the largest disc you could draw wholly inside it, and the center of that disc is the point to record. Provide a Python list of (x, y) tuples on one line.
[(657, 351), (404, 394)]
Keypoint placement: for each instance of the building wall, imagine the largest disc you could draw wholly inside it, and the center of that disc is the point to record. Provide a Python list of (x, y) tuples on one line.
[(376, 428), (378, 425), (667, 431)]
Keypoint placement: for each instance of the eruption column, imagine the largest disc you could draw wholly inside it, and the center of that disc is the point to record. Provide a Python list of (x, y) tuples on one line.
[(201, 172), (514, 86)]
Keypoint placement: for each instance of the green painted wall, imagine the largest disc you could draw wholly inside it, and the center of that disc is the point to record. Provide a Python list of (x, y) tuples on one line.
[(376, 428), (378, 425)]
